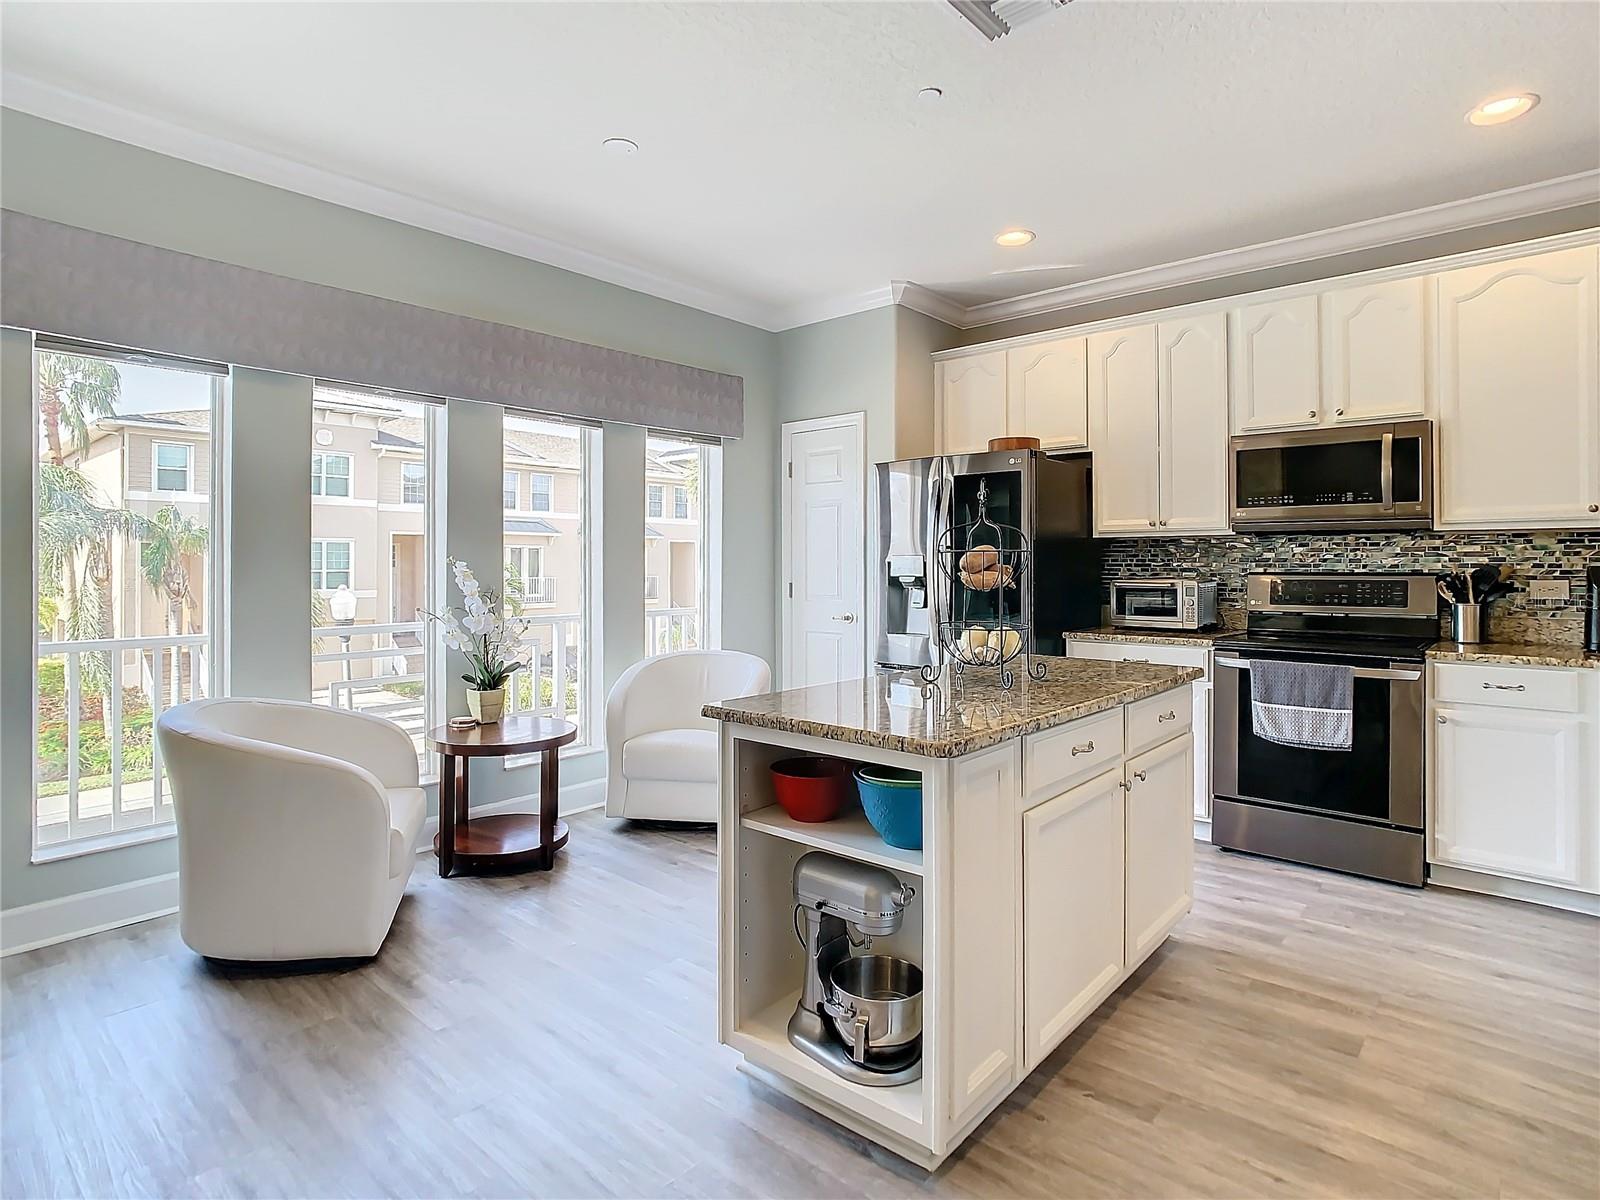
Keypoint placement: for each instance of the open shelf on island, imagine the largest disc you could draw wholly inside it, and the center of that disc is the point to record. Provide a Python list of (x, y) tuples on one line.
[(849, 835), (764, 1039)]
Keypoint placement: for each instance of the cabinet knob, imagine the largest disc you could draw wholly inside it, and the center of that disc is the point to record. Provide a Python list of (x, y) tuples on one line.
[(1139, 775), (1338, 412), (1152, 523), (1441, 720), (1312, 413), (1594, 508), (1163, 521)]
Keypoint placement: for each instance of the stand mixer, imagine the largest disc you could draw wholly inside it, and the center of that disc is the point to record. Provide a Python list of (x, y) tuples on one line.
[(860, 1016)]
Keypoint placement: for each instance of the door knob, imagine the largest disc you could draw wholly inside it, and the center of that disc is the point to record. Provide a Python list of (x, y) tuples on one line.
[(847, 618)]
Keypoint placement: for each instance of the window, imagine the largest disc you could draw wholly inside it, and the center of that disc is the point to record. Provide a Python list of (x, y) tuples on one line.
[(508, 489), (124, 579), (330, 563), (413, 483), (677, 558), (373, 567), (541, 488), (548, 561), (330, 474), (172, 466)]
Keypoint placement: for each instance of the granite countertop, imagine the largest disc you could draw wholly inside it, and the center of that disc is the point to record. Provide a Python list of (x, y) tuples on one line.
[(1148, 637), (897, 712), (1520, 654)]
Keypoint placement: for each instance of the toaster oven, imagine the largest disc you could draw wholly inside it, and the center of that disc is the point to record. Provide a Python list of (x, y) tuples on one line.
[(1163, 603)]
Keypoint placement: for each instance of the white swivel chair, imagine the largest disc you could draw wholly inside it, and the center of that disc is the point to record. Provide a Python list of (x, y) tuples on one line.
[(297, 827), (661, 753)]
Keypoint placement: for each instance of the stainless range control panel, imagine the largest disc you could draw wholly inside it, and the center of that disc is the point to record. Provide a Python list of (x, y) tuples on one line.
[(1387, 595)]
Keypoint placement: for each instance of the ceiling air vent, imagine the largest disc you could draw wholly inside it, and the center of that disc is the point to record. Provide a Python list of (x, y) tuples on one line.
[(996, 18)]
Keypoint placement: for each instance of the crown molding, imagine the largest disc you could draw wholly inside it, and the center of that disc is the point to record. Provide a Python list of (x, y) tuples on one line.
[(929, 303), (66, 107), (1529, 200), (809, 312)]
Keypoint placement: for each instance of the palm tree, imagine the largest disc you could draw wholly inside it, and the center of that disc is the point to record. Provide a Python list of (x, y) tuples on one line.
[(72, 392), (170, 541)]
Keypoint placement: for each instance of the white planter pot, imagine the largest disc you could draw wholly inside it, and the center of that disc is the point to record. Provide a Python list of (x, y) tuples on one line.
[(486, 707)]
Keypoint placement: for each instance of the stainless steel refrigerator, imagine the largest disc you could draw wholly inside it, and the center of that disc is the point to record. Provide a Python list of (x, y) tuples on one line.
[(915, 501)]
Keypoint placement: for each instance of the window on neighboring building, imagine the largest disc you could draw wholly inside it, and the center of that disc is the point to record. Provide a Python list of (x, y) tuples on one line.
[(541, 489), (330, 563), (678, 613), (124, 575), (173, 464), (508, 490), (330, 474), (413, 483), (548, 559), (372, 568)]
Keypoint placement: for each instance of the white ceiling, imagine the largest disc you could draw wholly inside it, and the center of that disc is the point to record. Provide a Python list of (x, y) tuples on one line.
[(788, 171)]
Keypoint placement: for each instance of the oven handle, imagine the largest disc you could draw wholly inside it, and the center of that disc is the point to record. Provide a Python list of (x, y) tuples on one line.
[(1240, 664)]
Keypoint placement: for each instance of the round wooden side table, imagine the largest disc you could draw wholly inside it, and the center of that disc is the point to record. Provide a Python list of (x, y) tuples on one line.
[(502, 841)]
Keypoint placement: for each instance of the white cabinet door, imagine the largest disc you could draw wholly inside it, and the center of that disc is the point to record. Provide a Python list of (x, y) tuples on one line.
[(1192, 383), (1519, 403), (1072, 858), (972, 402), (1124, 430), (1374, 351), (1508, 794), (1047, 393), (1160, 844), (979, 908), (1276, 382)]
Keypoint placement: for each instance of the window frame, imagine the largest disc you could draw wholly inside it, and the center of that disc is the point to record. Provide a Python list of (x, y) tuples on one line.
[(406, 484), (655, 501), (514, 490), (156, 446), (319, 573), (549, 492), (680, 493), (320, 476)]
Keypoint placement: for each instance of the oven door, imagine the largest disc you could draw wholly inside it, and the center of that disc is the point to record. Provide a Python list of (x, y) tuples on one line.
[(1378, 780)]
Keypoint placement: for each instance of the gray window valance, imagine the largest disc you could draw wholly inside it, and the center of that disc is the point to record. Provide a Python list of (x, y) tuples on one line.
[(71, 282)]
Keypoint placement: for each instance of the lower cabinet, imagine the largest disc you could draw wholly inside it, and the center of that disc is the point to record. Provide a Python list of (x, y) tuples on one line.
[(1509, 794), (1159, 845), (1072, 859)]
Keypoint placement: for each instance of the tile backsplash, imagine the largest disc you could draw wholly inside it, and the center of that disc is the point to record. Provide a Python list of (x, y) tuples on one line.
[(1229, 559)]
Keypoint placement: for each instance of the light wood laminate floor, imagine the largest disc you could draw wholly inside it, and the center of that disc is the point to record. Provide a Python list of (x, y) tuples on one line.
[(1302, 1034)]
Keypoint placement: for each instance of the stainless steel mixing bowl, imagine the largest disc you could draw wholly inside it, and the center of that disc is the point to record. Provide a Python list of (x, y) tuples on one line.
[(875, 1001)]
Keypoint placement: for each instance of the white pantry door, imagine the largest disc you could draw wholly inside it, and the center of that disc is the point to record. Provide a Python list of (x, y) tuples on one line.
[(824, 534)]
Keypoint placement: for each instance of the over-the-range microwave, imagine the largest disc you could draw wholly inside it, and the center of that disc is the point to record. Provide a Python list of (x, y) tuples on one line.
[(1351, 477)]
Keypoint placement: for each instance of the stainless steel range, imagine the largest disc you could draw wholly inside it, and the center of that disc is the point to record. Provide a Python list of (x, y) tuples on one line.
[(1357, 809)]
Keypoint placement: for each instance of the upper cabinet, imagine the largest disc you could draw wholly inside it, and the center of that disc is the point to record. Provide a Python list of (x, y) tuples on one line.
[(1125, 431), (1158, 403), (1047, 393), (1276, 372), (1037, 390), (971, 402), (1375, 351), (1519, 403)]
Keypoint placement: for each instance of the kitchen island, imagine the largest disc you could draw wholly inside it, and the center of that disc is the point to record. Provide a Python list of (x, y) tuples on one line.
[(1057, 854)]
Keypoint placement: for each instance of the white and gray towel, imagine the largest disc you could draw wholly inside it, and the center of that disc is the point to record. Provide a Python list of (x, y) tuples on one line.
[(1304, 704)]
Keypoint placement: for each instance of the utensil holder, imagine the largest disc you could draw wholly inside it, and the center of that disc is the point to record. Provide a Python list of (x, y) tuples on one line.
[(1466, 622)]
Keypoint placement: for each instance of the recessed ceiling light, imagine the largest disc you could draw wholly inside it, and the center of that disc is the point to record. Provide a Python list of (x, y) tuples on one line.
[(930, 93), (621, 145), (1014, 237), (1502, 109)]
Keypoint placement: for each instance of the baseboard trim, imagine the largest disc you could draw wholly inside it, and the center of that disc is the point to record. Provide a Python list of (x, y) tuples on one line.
[(33, 926), (1202, 830), (575, 798), (1586, 903)]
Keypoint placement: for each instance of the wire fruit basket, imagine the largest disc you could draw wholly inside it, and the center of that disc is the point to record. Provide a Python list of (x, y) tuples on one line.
[(984, 566)]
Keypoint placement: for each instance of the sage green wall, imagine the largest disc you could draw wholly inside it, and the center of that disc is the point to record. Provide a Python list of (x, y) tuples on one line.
[(844, 365), (66, 175)]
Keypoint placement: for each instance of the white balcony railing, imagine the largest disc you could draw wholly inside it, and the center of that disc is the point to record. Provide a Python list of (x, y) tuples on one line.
[(669, 629), (379, 669), (551, 684), (98, 769), (541, 589)]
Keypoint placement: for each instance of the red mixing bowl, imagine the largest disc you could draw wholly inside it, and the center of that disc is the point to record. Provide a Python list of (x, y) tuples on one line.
[(813, 787)]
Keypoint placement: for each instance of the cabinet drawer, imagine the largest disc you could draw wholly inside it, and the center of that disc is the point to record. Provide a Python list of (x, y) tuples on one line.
[(1507, 687), (1166, 655), (1058, 757), (1160, 718)]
